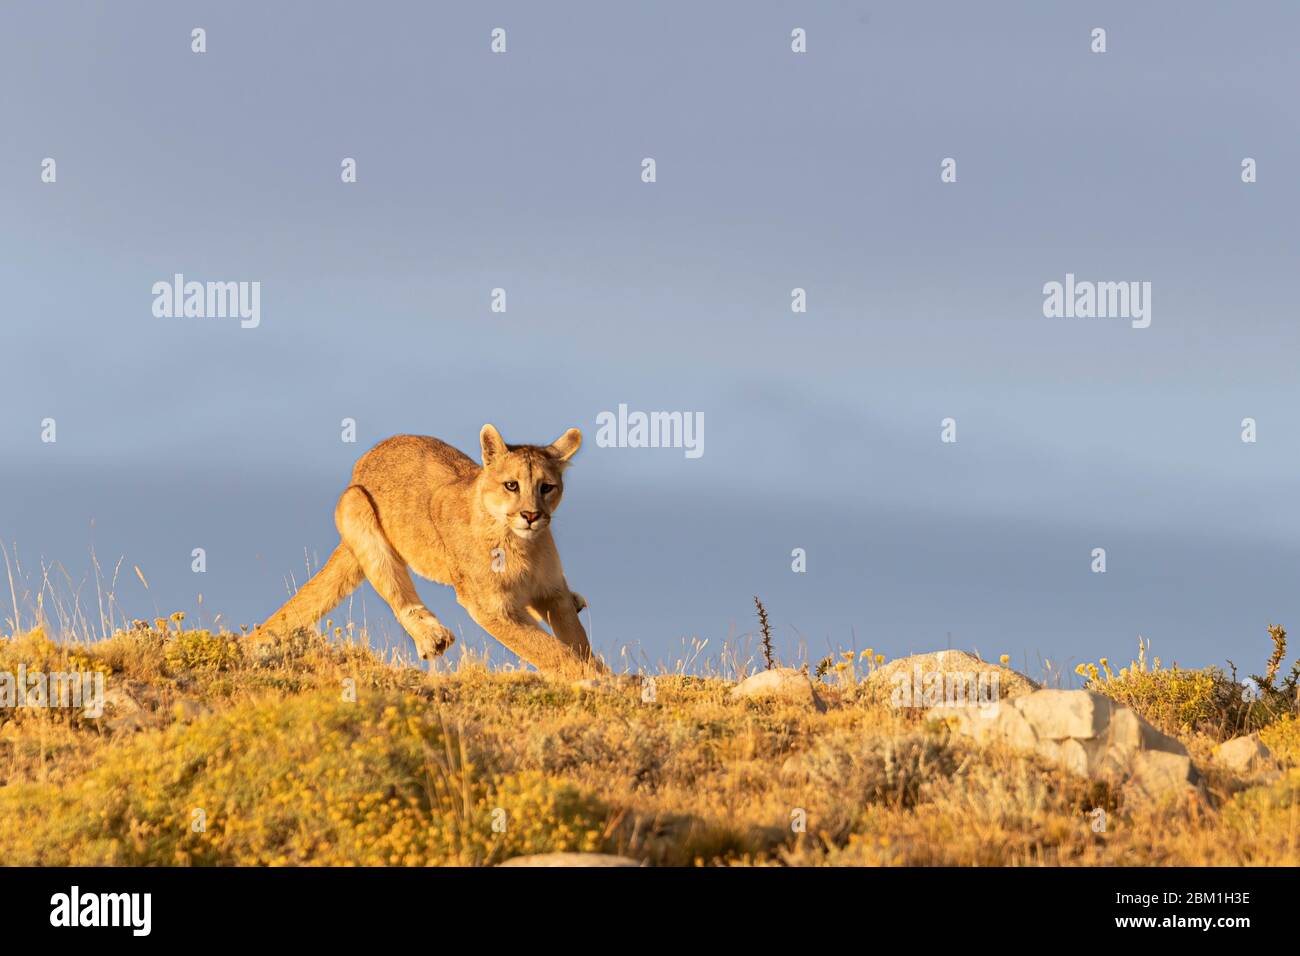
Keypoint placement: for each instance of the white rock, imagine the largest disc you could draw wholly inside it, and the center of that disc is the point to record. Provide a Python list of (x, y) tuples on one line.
[(988, 722), (1244, 755), (1155, 773), (571, 859), (1058, 714), (1128, 732), (908, 677), (779, 683)]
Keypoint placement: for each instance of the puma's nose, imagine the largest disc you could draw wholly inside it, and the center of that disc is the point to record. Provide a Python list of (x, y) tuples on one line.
[(530, 516)]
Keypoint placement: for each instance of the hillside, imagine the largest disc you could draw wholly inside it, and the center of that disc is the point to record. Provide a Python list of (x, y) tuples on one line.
[(310, 751)]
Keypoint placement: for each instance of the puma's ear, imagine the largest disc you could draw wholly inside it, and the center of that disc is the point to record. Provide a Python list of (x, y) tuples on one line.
[(494, 445), (567, 445)]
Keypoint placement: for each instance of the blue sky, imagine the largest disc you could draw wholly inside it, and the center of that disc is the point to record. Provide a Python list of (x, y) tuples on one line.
[(775, 170)]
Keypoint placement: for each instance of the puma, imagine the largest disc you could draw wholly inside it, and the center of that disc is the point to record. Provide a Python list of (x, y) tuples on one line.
[(417, 503)]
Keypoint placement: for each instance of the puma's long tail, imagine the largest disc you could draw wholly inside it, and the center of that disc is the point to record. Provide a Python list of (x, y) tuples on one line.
[(322, 593)]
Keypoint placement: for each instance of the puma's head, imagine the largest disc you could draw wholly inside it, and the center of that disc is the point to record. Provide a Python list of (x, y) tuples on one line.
[(521, 485)]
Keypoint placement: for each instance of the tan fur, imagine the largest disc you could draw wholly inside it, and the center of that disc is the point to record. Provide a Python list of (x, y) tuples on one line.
[(416, 502)]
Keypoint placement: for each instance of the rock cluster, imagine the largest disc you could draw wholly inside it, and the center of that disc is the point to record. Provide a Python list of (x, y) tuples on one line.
[(1088, 733)]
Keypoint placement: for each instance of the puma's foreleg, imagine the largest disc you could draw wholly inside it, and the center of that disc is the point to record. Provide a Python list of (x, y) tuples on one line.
[(547, 652)]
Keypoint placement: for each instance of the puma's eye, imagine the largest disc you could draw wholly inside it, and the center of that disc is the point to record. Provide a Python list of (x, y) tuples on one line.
[(547, 489), (512, 486)]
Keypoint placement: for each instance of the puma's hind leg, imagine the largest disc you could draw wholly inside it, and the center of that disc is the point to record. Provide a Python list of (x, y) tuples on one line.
[(384, 568)]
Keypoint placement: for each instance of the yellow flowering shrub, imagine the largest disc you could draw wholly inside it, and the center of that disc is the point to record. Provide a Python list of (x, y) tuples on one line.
[(1282, 737), (201, 650), (1268, 809), (1176, 701), (308, 780), (32, 649)]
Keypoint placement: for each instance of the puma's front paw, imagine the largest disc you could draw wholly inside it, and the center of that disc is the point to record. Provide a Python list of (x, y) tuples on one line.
[(435, 642), (431, 638), (579, 602)]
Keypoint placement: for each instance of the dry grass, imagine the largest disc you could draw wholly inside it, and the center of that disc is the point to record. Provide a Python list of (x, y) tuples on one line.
[(316, 751)]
